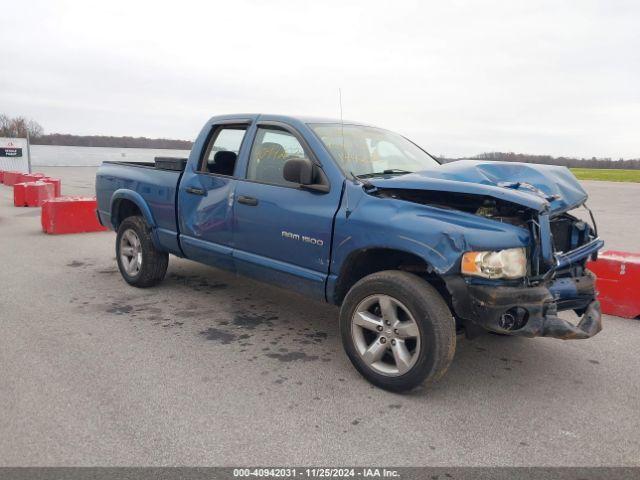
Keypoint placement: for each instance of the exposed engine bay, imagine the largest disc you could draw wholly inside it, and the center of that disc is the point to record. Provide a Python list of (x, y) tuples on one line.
[(465, 202), (557, 277)]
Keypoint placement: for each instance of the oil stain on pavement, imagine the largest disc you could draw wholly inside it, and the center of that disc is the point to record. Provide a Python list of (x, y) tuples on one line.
[(255, 325), (217, 335)]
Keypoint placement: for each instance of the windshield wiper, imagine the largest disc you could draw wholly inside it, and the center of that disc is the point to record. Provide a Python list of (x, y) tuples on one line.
[(389, 171)]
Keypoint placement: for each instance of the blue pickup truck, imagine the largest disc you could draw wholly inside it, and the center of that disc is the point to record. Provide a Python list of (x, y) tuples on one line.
[(413, 251)]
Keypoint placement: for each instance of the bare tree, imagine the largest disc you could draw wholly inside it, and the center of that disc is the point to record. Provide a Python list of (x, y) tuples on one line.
[(19, 126), (5, 126), (35, 129)]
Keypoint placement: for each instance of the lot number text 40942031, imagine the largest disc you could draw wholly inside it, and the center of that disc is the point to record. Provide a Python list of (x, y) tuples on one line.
[(316, 472)]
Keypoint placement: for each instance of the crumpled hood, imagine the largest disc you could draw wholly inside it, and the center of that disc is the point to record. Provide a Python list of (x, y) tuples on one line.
[(540, 187)]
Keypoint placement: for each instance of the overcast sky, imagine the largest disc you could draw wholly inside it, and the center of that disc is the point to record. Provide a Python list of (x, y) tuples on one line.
[(458, 77)]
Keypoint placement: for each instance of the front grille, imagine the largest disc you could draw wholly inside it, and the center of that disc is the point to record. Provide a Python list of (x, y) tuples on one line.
[(562, 245), (561, 230), (569, 232)]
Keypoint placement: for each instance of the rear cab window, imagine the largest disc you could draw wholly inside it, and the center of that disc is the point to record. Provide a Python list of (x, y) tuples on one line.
[(221, 153)]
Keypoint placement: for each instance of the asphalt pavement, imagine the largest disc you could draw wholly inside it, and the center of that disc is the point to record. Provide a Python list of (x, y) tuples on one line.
[(213, 369)]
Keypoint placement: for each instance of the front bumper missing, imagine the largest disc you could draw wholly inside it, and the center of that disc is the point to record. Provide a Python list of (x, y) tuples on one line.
[(533, 310)]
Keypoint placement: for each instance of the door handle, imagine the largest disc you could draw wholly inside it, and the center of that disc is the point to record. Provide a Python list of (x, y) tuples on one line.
[(196, 191), (252, 202)]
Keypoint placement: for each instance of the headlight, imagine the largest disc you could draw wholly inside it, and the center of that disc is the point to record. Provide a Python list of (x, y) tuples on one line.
[(509, 263)]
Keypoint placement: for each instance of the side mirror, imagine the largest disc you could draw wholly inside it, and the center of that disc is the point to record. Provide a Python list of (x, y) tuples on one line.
[(298, 170), (303, 172)]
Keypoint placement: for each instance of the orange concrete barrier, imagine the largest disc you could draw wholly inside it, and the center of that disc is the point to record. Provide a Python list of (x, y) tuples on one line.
[(70, 215), (31, 177), (57, 184), (11, 178), (20, 195), (39, 192), (618, 282), (32, 194)]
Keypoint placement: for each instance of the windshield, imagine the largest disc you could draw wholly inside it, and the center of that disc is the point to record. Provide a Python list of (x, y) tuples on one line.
[(367, 151)]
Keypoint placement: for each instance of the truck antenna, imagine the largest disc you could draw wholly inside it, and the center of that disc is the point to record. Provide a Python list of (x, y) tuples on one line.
[(354, 178), (344, 150), (344, 155)]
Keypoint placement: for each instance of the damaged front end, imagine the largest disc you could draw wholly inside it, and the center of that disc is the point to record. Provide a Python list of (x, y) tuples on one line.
[(557, 280), (556, 276), (530, 311)]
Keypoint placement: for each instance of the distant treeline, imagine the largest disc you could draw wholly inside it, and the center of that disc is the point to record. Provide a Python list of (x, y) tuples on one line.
[(21, 127), (562, 161), (105, 141)]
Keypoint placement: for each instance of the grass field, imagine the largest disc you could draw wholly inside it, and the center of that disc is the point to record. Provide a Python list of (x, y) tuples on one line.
[(612, 175)]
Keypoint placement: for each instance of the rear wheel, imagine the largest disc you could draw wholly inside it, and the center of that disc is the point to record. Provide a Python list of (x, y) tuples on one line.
[(397, 330), (140, 263)]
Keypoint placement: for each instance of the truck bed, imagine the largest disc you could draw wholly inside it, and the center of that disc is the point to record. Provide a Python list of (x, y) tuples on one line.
[(160, 163), (157, 185)]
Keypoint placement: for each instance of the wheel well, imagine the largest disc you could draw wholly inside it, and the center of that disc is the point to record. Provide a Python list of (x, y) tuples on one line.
[(365, 262), (122, 209)]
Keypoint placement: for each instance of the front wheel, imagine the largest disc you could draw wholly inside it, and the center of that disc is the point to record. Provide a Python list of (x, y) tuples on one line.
[(140, 263), (397, 330)]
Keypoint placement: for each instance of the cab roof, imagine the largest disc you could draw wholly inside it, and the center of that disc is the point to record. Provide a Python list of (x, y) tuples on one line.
[(290, 119)]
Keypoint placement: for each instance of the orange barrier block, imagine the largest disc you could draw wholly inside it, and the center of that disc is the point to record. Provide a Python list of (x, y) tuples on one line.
[(618, 282), (56, 183), (31, 177), (20, 195), (11, 178), (70, 215), (32, 194), (38, 192)]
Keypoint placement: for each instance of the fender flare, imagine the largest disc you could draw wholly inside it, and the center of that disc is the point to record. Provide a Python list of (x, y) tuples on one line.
[(339, 272), (139, 201)]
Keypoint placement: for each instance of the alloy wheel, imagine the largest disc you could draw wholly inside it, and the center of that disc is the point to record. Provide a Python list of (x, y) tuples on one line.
[(386, 335)]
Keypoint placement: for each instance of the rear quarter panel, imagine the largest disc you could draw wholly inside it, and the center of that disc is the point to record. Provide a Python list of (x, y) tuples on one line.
[(152, 190)]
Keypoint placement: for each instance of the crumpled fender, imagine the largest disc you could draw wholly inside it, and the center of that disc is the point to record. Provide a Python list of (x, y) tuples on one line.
[(437, 235)]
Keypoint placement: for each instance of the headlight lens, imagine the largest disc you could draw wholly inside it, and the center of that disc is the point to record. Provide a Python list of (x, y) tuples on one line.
[(509, 263)]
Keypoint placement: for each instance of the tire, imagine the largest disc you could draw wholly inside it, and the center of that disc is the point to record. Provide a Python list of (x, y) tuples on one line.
[(152, 263), (410, 302)]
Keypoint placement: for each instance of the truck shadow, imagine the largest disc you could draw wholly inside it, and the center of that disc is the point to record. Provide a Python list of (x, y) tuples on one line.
[(505, 369), (266, 324)]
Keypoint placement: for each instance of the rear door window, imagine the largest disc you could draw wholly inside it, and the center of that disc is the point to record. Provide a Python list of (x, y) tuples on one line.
[(221, 154)]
